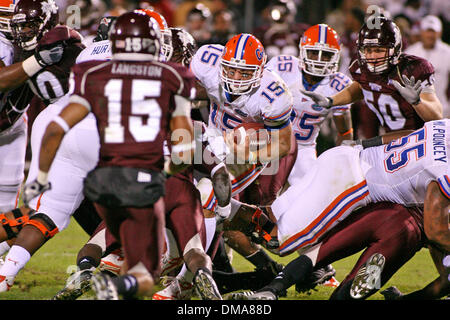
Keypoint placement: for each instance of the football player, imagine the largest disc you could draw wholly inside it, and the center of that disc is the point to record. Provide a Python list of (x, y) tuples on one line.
[(315, 70), (397, 87), (16, 95), (126, 150), (392, 232)]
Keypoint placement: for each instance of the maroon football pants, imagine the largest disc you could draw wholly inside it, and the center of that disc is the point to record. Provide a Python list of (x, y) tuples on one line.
[(387, 228), (184, 214), (140, 231)]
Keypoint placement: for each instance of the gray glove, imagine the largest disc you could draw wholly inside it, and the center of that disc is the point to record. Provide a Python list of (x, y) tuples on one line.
[(411, 90), (46, 57), (319, 99), (33, 189)]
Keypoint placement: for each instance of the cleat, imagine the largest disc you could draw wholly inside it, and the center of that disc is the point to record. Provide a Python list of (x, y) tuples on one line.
[(331, 283), (103, 287), (318, 277), (6, 283), (177, 289), (238, 295), (205, 286), (368, 277), (392, 293), (262, 295), (77, 284), (112, 262)]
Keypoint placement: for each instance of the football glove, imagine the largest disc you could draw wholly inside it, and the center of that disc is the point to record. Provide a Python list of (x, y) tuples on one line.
[(411, 90), (319, 99), (49, 56), (33, 189)]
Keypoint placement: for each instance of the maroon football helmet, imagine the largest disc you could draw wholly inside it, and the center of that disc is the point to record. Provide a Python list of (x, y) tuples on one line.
[(31, 20), (184, 46), (135, 36), (382, 33)]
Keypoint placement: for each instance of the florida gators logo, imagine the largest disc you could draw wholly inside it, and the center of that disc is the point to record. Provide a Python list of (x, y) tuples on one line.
[(259, 54)]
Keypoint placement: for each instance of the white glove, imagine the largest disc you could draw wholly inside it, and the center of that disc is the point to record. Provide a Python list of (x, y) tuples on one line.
[(223, 212), (319, 99), (411, 90), (33, 189)]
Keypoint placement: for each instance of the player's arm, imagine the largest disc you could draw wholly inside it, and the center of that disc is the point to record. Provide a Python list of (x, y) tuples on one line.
[(16, 74), (436, 216), (54, 133), (344, 127), (429, 107), (348, 95), (222, 187), (279, 145), (421, 96), (181, 137)]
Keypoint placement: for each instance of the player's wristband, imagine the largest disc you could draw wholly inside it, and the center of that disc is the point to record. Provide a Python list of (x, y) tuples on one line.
[(42, 177), (416, 102), (31, 66), (224, 212), (372, 142)]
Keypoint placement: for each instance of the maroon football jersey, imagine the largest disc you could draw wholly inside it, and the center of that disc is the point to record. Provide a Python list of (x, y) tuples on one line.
[(380, 95), (49, 84), (132, 102), (52, 82)]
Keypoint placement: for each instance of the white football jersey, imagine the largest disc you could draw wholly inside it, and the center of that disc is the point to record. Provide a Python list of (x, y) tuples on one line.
[(100, 50), (305, 118), (401, 171), (6, 50), (270, 104)]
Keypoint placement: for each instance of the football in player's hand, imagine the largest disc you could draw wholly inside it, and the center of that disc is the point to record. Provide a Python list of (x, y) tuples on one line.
[(58, 34), (252, 134)]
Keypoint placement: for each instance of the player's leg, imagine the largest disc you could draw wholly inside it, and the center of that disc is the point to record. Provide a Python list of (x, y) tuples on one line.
[(438, 288), (396, 234), (12, 163), (142, 250), (187, 232)]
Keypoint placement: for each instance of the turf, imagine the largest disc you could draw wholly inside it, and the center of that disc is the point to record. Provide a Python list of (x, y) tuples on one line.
[(48, 269)]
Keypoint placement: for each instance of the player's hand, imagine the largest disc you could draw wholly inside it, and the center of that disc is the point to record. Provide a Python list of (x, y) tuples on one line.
[(411, 90), (319, 99), (33, 189), (50, 55)]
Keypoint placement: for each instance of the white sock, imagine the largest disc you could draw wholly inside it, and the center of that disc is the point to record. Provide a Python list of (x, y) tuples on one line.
[(185, 274), (4, 247), (15, 260), (210, 224)]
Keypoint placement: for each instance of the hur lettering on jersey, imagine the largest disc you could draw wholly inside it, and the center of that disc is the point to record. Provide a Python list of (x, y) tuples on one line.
[(439, 146)]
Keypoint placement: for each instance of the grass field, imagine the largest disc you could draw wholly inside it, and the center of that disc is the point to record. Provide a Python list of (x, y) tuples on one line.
[(46, 272)]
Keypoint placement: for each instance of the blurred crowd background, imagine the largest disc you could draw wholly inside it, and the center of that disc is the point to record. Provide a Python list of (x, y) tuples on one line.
[(279, 24)]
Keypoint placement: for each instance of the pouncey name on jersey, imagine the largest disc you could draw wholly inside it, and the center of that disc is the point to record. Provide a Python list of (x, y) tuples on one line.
[(306, 117), (270, 103), (401, 170)]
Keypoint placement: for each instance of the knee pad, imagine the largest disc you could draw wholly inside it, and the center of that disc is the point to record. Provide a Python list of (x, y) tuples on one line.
[(20, 219), (49, 231)]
